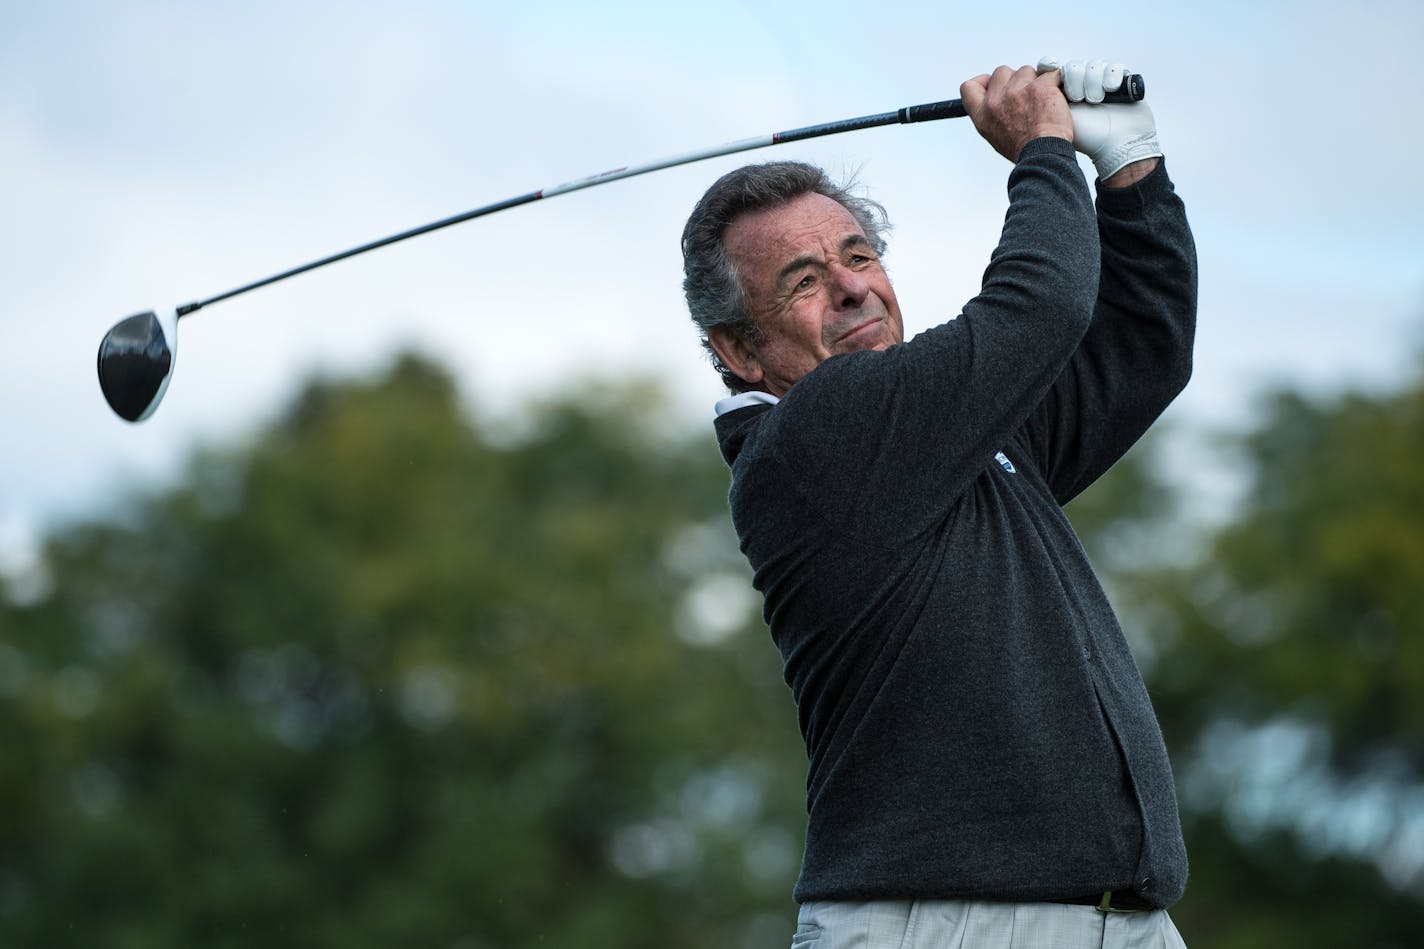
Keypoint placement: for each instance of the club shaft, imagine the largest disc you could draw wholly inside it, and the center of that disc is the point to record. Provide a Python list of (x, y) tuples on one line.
[(921, 113), (382, 242), (928, 112)]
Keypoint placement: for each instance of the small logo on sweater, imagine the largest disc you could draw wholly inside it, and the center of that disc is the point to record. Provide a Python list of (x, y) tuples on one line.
[(1004, 463)]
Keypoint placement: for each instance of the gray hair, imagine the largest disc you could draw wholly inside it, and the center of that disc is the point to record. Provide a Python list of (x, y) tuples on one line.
[(714, 291)]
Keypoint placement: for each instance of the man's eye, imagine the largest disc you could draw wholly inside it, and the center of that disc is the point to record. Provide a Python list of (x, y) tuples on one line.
[(804, 283)]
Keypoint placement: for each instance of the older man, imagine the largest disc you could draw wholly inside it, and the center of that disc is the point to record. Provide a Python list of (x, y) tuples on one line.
[(984, 759)]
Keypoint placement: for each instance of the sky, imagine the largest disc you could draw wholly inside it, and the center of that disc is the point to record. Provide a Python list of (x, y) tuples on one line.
[(155, 153)]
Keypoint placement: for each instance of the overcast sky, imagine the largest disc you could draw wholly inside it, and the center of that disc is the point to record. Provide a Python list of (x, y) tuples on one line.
[(154, 153)]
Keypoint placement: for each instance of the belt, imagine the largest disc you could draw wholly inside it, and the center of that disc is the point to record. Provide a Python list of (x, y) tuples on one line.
[(1111, 901)]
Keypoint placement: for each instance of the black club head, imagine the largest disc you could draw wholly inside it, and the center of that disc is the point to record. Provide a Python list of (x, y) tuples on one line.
[(136, 362)]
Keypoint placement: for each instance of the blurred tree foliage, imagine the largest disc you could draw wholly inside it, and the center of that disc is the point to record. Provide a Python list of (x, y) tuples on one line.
[(391, 677), (386, 679), (1288, 674)]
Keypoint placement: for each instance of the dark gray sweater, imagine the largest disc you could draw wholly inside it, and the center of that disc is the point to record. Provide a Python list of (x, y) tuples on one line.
[(976, 725)]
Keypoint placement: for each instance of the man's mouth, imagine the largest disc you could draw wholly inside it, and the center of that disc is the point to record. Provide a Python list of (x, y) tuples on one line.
[(857, 328)]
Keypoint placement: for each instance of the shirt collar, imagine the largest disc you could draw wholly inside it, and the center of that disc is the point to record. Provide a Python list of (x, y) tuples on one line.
[(744, 399)]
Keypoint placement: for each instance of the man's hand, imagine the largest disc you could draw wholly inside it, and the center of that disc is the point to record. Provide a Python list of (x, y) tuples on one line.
[(1121, 139), (1013, 107)]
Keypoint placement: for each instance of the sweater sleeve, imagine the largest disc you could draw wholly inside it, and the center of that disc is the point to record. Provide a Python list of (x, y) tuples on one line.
[(881, 441), (1137, 354)]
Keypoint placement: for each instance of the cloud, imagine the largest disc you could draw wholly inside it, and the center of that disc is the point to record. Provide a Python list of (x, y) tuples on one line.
[(156, 152)]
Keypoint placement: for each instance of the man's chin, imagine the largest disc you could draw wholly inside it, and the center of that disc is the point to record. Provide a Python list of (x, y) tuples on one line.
[(873, 336)]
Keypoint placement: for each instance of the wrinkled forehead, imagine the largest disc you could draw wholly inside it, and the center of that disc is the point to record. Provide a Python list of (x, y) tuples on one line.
[(808, 224)]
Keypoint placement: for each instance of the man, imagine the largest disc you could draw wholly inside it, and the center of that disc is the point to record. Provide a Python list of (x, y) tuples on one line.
[(984, 758)]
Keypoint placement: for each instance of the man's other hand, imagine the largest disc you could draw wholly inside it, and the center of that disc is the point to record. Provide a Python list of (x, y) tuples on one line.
[(1114, 135), (1012, 107)]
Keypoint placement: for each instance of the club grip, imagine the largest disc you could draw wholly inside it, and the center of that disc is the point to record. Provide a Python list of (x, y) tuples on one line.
[(930, 111), (1133, 89)]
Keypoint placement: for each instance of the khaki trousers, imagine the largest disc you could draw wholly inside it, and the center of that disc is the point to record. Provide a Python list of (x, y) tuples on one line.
[(960, 924)]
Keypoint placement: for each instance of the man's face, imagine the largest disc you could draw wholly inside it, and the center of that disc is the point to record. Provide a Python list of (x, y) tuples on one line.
[(815, 287)]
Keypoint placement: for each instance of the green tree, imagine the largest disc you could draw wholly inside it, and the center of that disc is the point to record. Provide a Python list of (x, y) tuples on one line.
[(1288, 673), (390, 676), (386, 678), (1311, 601)]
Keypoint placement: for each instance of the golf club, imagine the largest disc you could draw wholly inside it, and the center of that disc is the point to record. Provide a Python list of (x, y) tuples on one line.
[(136, 357)]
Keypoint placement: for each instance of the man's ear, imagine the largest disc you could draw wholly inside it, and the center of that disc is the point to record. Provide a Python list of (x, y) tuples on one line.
[(735, 354)]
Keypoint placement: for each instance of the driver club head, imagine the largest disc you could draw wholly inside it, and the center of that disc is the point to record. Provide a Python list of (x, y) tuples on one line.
[(136, 361)]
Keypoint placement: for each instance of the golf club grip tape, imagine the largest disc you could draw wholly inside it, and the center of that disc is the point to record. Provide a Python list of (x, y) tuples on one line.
[(1133, 89), (931, 111)]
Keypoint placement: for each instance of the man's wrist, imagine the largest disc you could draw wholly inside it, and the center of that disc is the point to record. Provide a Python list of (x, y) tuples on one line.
[(1048, 143), (1132, 173)]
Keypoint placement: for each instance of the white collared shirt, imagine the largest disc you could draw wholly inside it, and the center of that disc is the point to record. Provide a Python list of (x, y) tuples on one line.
[(743, 399)]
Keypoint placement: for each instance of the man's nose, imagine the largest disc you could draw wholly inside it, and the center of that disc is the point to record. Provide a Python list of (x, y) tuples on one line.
[(849, 287)]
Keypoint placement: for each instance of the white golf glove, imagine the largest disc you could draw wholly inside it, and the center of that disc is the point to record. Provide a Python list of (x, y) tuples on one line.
[(1111, 134)]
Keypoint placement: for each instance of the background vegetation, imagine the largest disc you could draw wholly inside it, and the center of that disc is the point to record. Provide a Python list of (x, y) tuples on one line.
[(391, 676)]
